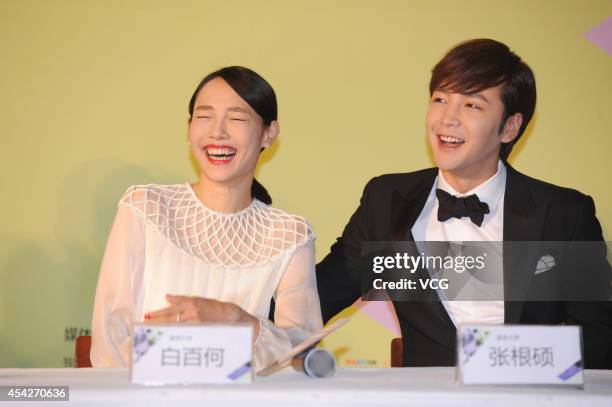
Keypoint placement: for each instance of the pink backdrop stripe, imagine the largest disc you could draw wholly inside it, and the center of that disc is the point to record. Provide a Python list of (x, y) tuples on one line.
[(382, 312), (601, 35)]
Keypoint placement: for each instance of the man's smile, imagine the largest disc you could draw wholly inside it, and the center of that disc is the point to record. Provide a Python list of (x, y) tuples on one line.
[(449, 142)]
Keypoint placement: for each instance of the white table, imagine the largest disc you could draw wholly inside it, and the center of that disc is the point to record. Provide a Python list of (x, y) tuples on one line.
[(429, 387)]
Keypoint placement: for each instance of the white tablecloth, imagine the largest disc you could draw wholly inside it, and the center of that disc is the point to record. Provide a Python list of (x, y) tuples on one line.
[(433, 386)]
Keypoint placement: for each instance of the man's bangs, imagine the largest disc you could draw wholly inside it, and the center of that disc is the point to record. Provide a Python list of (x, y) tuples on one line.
[(466, 84)]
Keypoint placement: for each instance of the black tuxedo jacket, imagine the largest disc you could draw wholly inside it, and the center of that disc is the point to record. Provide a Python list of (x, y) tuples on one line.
[(533, 211)]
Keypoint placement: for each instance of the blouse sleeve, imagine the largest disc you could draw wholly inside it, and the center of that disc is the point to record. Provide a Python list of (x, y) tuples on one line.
[(297, 312), (119, 287)]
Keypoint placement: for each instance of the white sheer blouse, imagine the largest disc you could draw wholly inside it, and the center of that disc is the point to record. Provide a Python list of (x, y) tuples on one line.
[(165, 241)]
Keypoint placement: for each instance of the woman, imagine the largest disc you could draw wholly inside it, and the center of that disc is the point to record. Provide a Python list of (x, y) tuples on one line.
[(209, 252)]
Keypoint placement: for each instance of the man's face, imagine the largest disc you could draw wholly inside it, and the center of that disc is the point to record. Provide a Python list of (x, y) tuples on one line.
[(463, 131)]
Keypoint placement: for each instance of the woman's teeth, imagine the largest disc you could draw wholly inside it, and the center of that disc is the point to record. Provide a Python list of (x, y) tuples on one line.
[(220, 153)]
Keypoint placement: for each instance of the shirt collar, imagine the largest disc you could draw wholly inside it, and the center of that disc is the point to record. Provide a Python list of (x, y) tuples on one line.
[(490, 191)]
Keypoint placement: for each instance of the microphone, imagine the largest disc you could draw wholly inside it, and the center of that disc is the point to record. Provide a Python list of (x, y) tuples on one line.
[(315, 362)]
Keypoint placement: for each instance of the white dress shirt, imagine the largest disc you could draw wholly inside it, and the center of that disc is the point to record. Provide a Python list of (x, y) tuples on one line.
[(428, 228)]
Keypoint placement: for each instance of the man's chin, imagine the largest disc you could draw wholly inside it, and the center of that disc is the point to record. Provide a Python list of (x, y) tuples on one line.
[(448, 165)]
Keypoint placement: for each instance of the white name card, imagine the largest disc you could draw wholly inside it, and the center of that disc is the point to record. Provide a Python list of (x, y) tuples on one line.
[(186, 354), (519, 354)]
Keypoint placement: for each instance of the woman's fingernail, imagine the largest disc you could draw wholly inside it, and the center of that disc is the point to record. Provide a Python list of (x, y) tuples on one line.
[(147, 316)]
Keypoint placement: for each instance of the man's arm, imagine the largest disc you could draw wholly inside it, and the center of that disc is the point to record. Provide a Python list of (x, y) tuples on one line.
[(595, 317), (338, 276)]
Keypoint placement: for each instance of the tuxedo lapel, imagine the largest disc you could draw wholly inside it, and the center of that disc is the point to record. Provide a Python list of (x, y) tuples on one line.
[(523, 222), (406, 205)]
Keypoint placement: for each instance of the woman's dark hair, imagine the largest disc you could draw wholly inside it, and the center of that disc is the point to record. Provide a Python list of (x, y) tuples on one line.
[(258, 93), (260, 192), (479, 64), (251, 87)]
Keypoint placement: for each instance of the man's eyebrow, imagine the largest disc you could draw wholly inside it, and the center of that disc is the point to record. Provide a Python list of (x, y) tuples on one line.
[(204, 108), (478, 95)]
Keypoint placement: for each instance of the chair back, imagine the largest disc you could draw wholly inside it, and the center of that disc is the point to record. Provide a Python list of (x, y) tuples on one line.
[(82, 345), (397, 352)]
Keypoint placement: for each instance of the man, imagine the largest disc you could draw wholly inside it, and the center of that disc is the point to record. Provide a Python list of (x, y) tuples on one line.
[(482, 99)]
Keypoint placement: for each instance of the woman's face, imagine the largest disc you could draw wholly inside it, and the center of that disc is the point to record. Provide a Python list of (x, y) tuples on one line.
[(226, 134)]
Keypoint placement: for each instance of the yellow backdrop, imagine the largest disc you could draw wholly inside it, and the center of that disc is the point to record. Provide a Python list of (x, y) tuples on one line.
[(94, 94)]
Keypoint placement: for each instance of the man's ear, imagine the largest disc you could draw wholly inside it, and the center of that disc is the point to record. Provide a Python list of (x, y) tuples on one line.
[(511, 128), (270, 134)]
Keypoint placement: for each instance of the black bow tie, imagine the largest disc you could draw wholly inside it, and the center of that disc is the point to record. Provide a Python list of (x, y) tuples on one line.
[(450, 206)]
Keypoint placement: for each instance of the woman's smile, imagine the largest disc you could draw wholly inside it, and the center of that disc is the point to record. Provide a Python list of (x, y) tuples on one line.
[(219, 154)]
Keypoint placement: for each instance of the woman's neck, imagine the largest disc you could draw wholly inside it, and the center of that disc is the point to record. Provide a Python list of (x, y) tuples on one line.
[(227, 198)]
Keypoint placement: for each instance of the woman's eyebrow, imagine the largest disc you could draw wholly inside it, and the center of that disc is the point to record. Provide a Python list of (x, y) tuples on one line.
[(238, 109)]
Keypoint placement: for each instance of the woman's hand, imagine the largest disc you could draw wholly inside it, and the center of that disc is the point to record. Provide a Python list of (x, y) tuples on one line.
[(198, 309)]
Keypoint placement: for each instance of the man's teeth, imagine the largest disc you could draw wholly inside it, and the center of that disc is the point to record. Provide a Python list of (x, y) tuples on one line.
[(221, 152), (452, 140)]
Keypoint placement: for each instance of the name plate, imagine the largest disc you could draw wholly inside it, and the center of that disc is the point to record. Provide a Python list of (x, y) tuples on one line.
[(186, 354), (519, 354)]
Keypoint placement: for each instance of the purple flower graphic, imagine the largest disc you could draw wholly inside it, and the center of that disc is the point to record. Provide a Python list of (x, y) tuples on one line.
[(144, 338), (471, 339)]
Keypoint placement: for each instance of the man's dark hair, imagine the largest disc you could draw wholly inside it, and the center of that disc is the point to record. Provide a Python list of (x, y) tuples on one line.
[(479, 64)]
